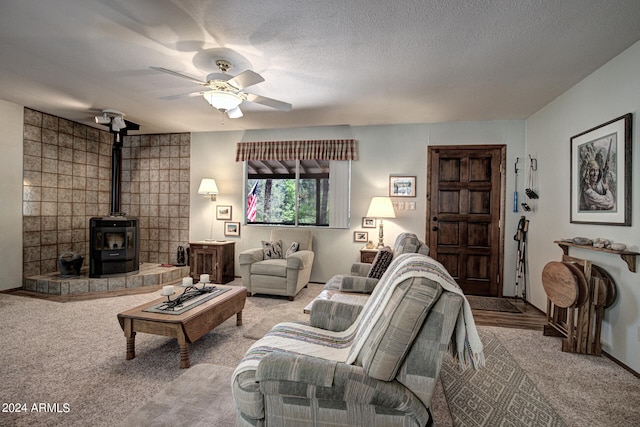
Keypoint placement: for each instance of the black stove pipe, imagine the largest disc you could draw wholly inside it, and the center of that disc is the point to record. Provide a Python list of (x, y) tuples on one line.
[(116, 174)]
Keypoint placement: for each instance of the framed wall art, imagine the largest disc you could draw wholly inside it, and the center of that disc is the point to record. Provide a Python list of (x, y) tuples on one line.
[(223, 212), (360, 236), (368, 222), (402, 186), (231, 228), (601, 174)]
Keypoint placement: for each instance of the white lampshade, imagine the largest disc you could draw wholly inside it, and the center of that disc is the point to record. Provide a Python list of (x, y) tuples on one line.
[(223, 100), (381, 207), (208, 187)]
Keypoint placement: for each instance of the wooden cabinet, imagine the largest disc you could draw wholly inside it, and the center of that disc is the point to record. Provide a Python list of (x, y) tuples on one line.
[(213, 258), (367, 255)]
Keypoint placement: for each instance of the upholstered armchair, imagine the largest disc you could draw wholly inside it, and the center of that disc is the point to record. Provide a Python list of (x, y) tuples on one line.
[(375, 365), (364, 277), (282, 266)]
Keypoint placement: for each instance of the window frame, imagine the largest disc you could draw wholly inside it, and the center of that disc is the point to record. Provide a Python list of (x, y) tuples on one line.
[(297, 178)]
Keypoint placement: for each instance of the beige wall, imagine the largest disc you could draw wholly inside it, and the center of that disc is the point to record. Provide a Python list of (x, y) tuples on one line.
[(608, 93), (382, 150), (11, 119)]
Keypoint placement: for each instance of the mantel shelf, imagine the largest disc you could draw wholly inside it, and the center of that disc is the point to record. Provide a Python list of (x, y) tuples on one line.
[(627, 256)]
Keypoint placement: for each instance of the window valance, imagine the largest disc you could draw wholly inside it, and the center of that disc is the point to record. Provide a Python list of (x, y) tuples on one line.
[(331, 149)]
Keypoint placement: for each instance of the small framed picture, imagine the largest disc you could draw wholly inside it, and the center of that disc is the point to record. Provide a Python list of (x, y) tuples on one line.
[(360, 236), (223, 212), (368, 222), (231, 228), (402, 186)]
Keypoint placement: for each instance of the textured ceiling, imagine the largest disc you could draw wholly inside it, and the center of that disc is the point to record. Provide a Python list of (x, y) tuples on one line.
[(354, 62)]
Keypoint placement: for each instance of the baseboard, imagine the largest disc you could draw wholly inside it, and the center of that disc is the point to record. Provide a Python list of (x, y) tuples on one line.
[(622, 365)]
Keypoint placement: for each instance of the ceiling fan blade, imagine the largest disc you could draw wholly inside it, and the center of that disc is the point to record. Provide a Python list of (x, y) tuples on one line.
[(175, 73), (245, 79), (269, 102), (182, 95), (235, 113)]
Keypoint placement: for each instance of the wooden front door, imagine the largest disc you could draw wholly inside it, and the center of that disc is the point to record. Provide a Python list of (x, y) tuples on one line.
[(464, 211)]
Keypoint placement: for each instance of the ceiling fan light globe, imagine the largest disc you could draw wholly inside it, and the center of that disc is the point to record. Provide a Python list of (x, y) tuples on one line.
[(221, 100)]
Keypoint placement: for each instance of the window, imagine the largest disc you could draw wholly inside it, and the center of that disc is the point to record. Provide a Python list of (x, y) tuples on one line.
[(298, 192), (301, 183)]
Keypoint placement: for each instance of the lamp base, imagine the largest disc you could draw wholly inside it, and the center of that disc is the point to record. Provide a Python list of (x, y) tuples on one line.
[(380, 237)]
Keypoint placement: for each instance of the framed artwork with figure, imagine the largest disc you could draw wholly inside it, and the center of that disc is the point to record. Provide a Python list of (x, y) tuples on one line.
[(601, 174)]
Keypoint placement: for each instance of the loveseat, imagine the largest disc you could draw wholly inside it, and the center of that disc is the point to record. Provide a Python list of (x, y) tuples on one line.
[(375, 365), (364, 277), (282, 266)]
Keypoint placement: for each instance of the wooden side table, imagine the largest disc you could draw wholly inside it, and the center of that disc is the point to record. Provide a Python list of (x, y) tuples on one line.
[(213, 258), (367, 255)]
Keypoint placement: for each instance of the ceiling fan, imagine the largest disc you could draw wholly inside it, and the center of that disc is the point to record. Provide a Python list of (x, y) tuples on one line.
[(225, 92)]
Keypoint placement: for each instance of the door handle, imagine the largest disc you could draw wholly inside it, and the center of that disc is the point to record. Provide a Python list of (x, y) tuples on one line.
[(434, 228), (435, 218)]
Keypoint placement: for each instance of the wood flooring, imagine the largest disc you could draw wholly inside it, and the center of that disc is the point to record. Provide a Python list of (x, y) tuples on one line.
[(529, 318)]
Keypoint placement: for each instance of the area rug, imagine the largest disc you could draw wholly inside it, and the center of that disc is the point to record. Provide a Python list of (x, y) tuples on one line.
[(201, 396), (491, 304), (270, 318), (500, 394)]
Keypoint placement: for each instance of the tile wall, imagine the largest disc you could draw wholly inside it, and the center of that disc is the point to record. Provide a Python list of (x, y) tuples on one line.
[(67, 176)]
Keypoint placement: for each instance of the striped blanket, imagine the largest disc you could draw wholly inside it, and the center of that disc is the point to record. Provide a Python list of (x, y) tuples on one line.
[(466, 346)]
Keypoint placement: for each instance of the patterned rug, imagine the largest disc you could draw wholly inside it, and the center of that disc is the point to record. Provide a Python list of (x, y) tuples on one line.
[(500, 394), (491, 304)]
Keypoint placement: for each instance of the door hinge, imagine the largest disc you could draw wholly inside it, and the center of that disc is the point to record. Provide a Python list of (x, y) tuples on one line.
[(498, 278)]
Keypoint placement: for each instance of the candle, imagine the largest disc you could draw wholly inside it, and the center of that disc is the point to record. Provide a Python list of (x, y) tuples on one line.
[(187, 281), (204, 278), (167, 290)]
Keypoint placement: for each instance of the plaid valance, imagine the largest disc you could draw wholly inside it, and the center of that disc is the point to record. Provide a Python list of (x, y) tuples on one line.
[(330, 149)]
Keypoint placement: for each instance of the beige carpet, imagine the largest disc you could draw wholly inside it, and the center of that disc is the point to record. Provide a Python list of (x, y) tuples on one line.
[(271, 317), (73, 353), (199, 397)]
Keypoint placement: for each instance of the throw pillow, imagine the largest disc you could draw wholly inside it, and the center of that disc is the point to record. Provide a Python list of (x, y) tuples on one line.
[(380, 262), (272, 250), (293, 248)]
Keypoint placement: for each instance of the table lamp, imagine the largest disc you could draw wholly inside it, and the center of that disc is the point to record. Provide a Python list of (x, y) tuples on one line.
[(381, 207)]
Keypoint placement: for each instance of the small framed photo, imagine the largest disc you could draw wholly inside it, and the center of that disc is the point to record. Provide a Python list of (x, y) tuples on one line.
[(231, 228), (223, 212), (402, 186), (368, 222), (360, 236)]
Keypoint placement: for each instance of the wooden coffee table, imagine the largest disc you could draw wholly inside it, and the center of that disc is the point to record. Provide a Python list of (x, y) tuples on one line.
[(187, 327)]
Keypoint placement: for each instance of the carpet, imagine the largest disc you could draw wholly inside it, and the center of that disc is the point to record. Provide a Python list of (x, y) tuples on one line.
[(491, 304), (74, 353), (199, 397), (269, 318), (500, 394)]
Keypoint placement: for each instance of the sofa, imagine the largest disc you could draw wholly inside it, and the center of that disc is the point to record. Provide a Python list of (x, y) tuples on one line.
[(375, 365), (276, 268), (364, 277)]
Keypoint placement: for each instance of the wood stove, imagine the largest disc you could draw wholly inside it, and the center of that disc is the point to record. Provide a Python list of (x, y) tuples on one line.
[(115, 240), (114, 246)]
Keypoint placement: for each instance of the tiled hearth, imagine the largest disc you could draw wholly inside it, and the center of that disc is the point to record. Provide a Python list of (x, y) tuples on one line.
[(149, 275)]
